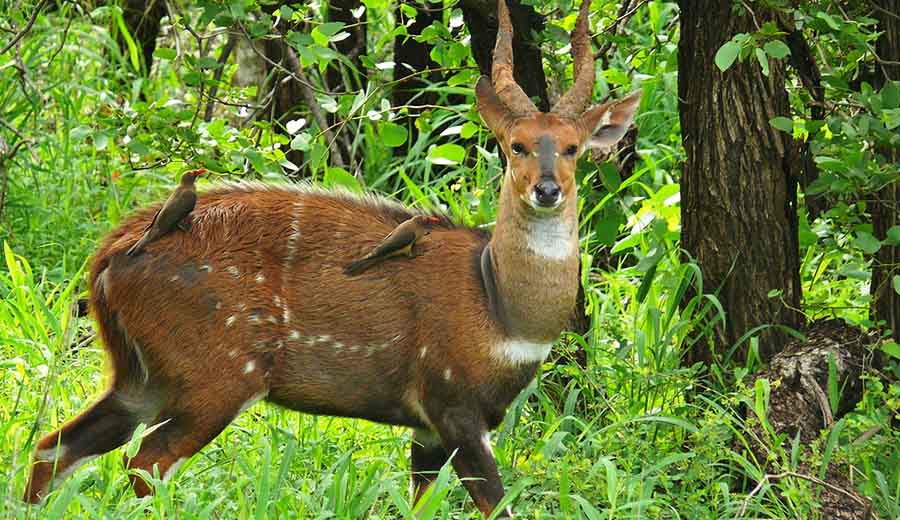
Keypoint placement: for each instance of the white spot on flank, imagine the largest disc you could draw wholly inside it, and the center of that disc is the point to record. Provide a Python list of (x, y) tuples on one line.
[(293, 238), (233, 270), (422, 352), (174, 278), (232, 354), (295, 335), (286, 315), (249, 367), (272, 319), (448, 374), (206, 267), (325, 338), (173, 469), (218, 305), (552, 238), (260, 278), (230, 320), (254, 318), (519, 351), (277, 301)]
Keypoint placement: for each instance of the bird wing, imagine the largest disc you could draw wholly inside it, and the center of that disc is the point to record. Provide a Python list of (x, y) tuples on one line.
[(396, 240), (156, 216), (175, 206)]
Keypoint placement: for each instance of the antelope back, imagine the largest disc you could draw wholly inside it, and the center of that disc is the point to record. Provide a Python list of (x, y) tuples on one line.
[(258, 288)]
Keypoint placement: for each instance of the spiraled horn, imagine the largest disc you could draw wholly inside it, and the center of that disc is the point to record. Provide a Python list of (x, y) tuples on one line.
[(505, 84), (577, 99)]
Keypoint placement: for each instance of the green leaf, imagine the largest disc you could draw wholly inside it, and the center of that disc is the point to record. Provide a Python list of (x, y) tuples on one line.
[(891, 348), (446, 154), (301, 142), (340, 177), (726, 55), (468, 130), (392, 134), (610, 177), (330, 28), (867, 242), (890, 95), (776, 49), (763, 60), (785, 124), (829, 20), (208, 62), (893, 236), (164, 53), (129, 41), (646, 283), (895, 281)]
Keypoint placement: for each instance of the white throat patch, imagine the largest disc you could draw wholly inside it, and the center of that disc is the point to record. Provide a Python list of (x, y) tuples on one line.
[(521, 351), (551, 238)]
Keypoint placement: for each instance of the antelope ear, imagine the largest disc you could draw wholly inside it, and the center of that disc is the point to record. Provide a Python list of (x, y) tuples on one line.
[(606, 124), (493, 111)]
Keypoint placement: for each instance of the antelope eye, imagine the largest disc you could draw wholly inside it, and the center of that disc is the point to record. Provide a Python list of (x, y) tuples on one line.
[(572, 150), (517, 148)]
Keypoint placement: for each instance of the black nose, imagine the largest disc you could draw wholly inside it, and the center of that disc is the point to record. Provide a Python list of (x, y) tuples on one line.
[(547, 193)]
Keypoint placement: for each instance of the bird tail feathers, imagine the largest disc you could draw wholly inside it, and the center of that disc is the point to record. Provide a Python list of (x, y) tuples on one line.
[(358, 266)]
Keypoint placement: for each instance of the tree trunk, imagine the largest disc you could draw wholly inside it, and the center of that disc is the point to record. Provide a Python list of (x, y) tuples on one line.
[(412, 60), (142, 17), (352, 47), (481, 18), (799, 406), (886, 264), (739, 216), (340, 78)]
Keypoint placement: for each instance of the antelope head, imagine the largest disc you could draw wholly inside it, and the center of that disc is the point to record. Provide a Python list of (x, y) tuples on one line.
[(542, 148)]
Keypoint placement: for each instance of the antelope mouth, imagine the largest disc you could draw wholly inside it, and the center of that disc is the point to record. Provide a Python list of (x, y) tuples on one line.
[(543, 208)]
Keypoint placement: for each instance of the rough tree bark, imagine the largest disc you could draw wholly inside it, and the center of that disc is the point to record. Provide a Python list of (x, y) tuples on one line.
[(480, 17), (885, 210), (799, 406), (739, 217)]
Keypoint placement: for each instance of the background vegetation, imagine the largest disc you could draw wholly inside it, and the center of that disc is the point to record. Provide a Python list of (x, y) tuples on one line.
[(99, 112)]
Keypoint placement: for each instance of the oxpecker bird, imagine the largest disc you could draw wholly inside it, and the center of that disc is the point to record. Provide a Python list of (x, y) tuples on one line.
[(400, 241), (172, 213)]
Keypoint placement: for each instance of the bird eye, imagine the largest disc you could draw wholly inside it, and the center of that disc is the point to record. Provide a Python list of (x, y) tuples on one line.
[(517, 148), (572, 150)]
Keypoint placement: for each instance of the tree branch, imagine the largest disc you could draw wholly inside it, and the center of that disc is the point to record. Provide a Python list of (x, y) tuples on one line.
[(27, 28), (217, 75)]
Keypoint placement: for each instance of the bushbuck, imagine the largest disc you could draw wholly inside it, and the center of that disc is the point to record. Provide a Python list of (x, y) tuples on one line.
[(253, 303)]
